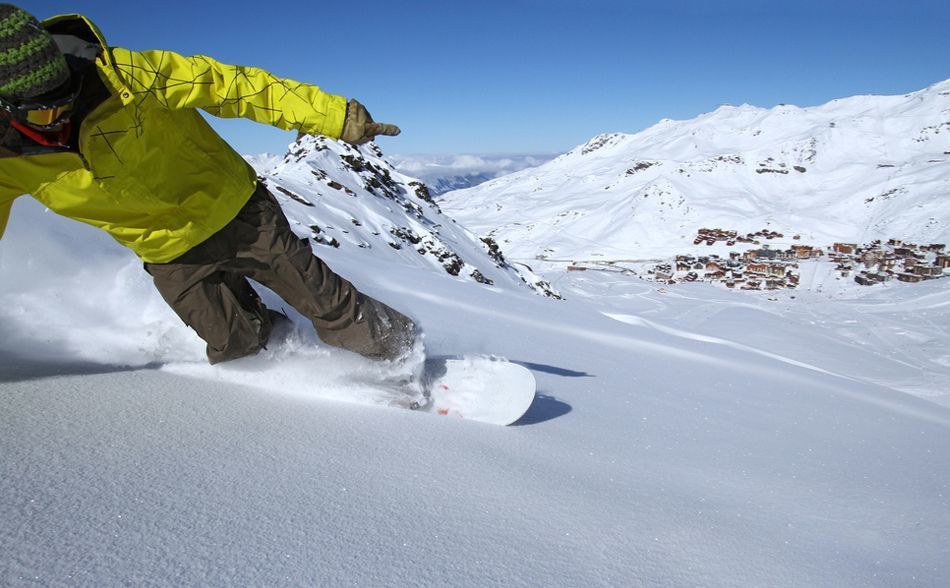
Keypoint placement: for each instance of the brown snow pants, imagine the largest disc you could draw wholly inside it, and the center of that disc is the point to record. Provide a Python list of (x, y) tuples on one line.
[(207, 287)]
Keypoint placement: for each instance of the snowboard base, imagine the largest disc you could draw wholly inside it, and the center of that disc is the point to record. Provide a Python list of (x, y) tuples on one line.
[(482, 389)]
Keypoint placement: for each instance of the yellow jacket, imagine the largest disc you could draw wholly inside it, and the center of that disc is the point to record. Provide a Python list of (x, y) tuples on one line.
[(151, 172)]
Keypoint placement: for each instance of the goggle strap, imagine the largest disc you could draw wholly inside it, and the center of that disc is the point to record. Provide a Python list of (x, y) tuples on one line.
[(58, 138)]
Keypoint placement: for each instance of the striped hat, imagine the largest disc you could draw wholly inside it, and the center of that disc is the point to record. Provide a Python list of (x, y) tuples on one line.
[(30, 62)]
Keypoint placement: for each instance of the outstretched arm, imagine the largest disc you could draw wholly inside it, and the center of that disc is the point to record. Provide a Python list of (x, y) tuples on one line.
[(229, 91)]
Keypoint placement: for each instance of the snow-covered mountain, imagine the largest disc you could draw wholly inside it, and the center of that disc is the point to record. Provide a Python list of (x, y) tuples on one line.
[(444, 173), (853, 170), (351, 201), (263, 161)]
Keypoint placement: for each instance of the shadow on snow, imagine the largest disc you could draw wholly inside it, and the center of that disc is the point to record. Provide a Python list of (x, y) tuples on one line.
[(544, 408), (554, 370), (15, 368)]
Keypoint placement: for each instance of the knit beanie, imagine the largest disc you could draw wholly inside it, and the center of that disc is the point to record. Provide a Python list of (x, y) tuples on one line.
[(30, 62)]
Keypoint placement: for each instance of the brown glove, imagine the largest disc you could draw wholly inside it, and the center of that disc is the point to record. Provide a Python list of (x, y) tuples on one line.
[(359, 128)]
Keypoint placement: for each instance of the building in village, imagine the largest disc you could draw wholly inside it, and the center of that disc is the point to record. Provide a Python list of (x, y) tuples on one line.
[(844, 248), (906, 262), (909, 278)]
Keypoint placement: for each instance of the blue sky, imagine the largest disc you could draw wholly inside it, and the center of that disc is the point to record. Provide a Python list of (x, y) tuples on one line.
[(541, 76)]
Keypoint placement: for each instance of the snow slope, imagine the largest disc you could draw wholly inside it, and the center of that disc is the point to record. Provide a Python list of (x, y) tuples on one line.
[(649, 458), (353, 202), (852, 170), (676, 439)]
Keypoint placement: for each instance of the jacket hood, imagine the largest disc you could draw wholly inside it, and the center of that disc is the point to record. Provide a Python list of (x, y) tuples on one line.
[(78, 26)]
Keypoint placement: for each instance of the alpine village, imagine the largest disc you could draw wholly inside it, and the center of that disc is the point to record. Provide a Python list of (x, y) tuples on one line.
[(765, 268)]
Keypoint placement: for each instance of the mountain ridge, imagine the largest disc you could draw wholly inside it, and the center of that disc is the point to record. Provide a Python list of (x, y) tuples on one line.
[(854, 169)]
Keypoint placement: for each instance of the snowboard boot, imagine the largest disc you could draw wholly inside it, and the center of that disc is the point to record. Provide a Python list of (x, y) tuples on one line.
[(281, 327)]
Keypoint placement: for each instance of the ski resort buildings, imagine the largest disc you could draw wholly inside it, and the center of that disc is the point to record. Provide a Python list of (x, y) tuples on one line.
[(765, 267), (768, 268)]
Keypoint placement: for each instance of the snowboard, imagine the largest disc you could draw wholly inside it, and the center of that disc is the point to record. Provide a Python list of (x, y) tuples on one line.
[(482, 389)]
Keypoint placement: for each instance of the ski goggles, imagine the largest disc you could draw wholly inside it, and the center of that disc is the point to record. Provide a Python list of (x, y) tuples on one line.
[(40, 112)]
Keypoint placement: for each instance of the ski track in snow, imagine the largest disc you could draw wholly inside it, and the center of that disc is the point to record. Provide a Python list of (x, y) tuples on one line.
[(633, 320)]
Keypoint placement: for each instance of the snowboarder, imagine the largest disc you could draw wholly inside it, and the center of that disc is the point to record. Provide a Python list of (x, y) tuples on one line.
[(113, 138)]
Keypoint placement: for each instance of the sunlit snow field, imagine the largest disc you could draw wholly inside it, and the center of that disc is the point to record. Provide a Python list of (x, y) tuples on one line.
[(682, 435)]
